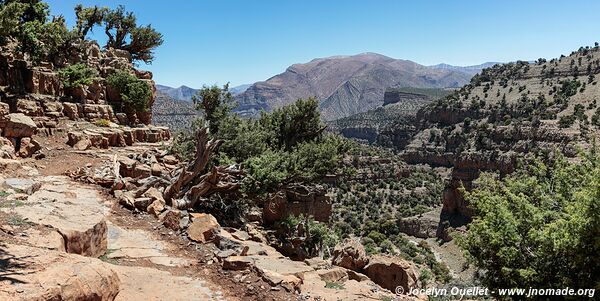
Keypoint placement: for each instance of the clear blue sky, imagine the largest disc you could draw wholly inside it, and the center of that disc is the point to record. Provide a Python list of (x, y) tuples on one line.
[(208, 42)]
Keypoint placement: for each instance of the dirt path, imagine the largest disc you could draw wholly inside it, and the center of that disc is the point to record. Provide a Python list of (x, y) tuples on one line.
[(148, 267)]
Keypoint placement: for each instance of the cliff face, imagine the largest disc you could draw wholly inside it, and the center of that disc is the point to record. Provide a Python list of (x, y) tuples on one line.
[(37, 91), (507, 114)]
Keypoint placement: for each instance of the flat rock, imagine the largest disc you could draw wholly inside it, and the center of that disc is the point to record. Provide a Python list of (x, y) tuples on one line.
[(138, 244), (27, 186), (72, 210), (30, 273), (141, 283)]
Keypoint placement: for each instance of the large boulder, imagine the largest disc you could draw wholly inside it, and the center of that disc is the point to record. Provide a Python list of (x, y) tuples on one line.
[(350, 254), (203, 227), (18, 126), (392, 272), (30, 273)]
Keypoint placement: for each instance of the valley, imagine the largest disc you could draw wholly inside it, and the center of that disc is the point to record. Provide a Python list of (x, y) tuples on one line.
[(350, 177)]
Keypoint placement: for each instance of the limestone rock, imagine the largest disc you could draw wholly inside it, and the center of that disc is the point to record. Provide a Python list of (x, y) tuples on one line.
[(18, 126), (53, 275), (391, 272), (28, 148), (350, 254), (7, 149), (203, 227)]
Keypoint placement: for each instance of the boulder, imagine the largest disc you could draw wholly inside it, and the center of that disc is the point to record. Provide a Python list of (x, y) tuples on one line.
[(18, 126), (42, 274), (203, 227), (7, 149), (350, 254), (28, 148), (171, 218), (156, 207), (391, 272)]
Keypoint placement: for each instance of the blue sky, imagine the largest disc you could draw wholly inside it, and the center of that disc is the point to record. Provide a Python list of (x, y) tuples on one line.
[(214, 42)]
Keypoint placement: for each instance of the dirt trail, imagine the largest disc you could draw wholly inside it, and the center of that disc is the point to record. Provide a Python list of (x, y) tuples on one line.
[(148, 267)]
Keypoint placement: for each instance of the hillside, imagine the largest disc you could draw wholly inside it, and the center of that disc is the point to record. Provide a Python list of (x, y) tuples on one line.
[(505, 114), (174, 113), (400, 108), (185, 93), (345, 85)]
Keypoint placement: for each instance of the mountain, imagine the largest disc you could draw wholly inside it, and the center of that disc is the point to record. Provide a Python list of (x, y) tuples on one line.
[(346, 85), (399, 110), (239, 89), (186, 93), (181, 93), (175, 113), (467, 69)]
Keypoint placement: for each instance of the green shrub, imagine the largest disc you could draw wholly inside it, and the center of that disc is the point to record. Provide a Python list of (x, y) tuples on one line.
[(134, 92), (102, 122), (77, 75), (539, 227)]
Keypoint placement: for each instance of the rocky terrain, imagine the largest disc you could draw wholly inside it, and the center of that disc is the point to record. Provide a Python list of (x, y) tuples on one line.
[(173, 113), (345, 85), (380, 125), (505, 114)]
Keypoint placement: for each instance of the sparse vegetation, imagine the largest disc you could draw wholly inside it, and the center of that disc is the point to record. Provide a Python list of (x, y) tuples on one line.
[(134, 92), (76, 75)]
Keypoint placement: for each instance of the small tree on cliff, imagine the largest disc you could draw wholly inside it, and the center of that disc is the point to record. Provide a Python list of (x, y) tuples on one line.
[(123, 33), (88, 17)]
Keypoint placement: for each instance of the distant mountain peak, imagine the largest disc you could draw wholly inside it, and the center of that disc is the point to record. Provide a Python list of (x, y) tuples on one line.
[(345, 84)]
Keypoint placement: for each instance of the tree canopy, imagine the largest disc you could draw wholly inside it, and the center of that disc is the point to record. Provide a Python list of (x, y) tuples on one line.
[(41, 36), (539, 227)]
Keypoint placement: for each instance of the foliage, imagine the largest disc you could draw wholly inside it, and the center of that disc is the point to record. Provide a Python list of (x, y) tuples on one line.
[(102, 122), (123, 33), (134, 92), (215, 103), (539, 227), (76, 75), (88, 17)]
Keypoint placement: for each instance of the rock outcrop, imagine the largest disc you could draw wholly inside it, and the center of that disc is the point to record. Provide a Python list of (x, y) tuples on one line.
[(297, 200), (392, 272), (37, 91), (350, 254), (39, 274)]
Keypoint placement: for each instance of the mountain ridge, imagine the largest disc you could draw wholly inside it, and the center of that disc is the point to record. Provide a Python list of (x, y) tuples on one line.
[(345, 84)]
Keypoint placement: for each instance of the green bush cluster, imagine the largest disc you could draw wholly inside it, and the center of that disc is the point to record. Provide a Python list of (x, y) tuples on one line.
[(539, 227), (134, 92), (77, 75), (284, 146)]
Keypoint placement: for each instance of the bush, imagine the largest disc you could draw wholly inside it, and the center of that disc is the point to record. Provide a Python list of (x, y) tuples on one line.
[(102, 122), (539, 227), (134, 92), (77, 75)]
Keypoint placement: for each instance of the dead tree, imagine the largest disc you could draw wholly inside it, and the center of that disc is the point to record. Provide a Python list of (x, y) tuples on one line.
[(194, 182)]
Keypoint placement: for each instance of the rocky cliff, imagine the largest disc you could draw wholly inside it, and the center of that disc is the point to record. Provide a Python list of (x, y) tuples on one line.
[(505, 115), (38, 92)]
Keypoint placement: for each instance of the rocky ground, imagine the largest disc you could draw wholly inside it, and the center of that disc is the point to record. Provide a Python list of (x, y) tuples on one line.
[(64, 239)]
